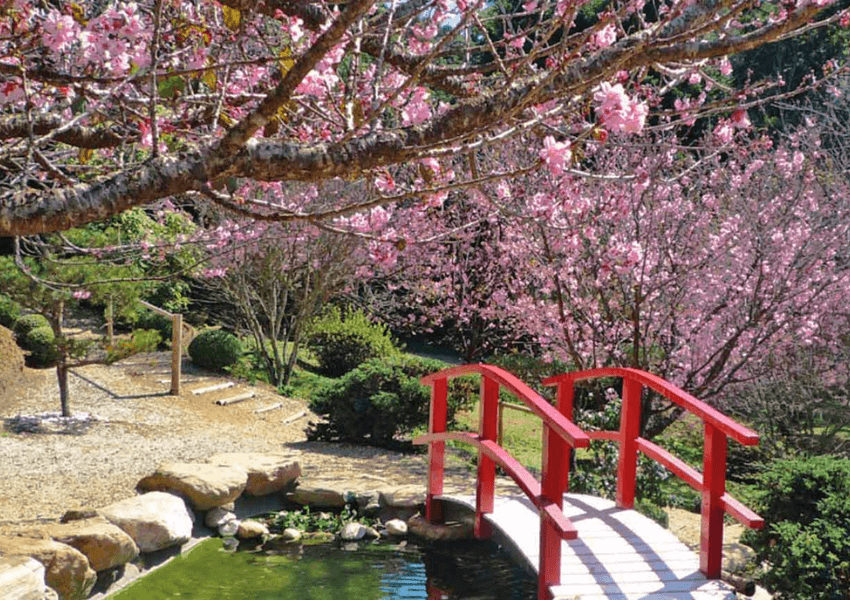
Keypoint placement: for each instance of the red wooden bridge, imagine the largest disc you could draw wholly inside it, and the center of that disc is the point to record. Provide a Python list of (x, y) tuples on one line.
[(584, 547)]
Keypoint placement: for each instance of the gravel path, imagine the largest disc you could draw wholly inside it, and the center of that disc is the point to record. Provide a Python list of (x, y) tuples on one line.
[(126, 424)]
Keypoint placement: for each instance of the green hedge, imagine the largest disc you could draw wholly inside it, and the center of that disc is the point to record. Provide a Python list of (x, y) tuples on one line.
[(42, 347), (377, 401), (10, 312), (342, 342), (806, 539), (27, 323), (215, 349), (150, 320)]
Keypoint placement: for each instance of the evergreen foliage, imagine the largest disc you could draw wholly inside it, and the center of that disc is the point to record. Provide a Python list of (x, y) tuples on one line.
[(806, 503), (215, 349), (341, 342), (151, 320), (27, 323), (377, 401), (41, 342), (10, 312)]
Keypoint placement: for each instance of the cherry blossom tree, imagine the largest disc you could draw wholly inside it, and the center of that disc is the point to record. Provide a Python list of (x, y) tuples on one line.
[(703, 264), (113, 105)]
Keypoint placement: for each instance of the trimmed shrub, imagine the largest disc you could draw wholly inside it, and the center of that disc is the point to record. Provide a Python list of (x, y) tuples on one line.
[(215, 349), (141, 340), (41, 343), (27, 323), (10, 312), (377, 401), (806, 503), (341, 343), (150, 320)]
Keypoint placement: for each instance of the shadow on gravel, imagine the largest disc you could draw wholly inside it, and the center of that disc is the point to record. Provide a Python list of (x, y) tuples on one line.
[(50, 423), (112, 394)]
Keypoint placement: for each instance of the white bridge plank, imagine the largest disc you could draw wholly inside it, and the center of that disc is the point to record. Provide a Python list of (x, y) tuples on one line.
[(619, 553)]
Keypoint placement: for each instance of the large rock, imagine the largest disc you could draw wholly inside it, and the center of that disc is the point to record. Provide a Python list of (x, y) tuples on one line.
[(155, 520), (396, 527), (21, 578), (353, 531), (403, 496), (267, 473), (419, 525), (67, 570), (217, 517), (205, 486), (330, 493), (104, 544), (250, 529)]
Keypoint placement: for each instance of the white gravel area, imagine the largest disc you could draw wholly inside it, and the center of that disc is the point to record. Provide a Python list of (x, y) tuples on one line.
[(126, 425)]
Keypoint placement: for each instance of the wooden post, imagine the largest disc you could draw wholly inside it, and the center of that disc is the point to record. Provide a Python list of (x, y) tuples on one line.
[(629, 432), (488, 430), (176, 353), (436, 450), (110, 322), (501, 437), (713, 488)]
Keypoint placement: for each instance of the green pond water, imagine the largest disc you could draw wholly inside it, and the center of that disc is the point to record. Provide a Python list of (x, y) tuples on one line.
[(457, 571)]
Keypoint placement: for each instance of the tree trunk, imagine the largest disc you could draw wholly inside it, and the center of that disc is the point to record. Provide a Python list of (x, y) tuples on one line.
[(62, 376)]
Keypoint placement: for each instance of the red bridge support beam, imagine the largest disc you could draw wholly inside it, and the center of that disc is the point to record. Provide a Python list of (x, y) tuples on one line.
[(555, 469), (714, 486), (629, 433), (436, 450), (489, 430)]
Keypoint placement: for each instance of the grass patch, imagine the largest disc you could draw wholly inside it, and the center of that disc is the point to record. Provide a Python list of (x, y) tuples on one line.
[(522, 436)]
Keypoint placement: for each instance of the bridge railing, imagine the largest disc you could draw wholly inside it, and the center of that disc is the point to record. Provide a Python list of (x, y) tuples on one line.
[(560, 434), (711, 482)]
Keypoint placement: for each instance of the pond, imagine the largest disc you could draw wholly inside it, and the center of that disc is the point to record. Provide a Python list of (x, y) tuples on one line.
[(452, 571)]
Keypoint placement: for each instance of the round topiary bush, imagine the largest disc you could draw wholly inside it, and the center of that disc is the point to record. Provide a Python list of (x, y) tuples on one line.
[(215, 349), (27, 323), (10, 312), (341, 343), (377, 401), (41, 344)]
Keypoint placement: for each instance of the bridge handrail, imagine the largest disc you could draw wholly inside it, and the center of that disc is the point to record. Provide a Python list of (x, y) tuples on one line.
[(568, 430), (711, 483), (524, 479), (732, 429), (559, 434)]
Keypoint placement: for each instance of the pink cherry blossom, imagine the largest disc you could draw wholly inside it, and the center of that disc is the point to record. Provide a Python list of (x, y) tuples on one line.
[(617, 111), (606, 36), (59, 31), (555, 154)]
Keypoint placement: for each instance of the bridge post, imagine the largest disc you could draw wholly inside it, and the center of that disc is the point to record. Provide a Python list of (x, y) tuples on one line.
[(714, 486), (629, 433), (436, 450), (488, 430)]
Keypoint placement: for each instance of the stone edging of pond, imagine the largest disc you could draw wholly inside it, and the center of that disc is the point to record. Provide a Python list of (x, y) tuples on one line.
[(93, 553)]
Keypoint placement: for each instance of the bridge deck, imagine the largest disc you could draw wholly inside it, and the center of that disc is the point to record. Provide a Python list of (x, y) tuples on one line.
[(619, 554)]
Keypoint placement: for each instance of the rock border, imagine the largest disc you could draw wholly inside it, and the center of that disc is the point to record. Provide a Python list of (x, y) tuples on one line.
[(93, 553)]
